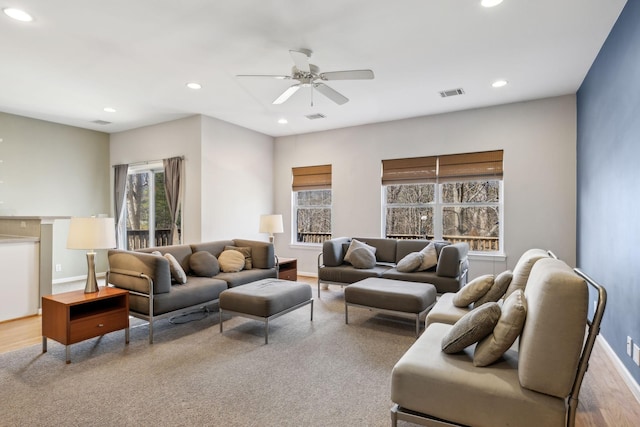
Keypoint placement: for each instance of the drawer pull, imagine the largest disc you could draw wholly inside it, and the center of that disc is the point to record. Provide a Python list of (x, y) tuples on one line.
[(100, 325)]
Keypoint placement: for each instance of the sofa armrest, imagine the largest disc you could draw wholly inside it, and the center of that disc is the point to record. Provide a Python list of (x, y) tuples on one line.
[(133, 271), (333, 255), (262, 253), (453, 260)]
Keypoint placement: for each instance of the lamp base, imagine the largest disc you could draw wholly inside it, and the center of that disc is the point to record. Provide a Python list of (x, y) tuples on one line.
[(92, 283)]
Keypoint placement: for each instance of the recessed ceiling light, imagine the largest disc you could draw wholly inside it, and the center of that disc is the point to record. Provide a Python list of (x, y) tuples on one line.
[(17, 14), (194, 86), (283, 121), (490, 3), (499, 83), (109, 109)]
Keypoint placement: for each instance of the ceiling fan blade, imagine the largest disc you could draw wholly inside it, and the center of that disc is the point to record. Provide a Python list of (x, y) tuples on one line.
[(301, 59), (330, 93), (265, 75), (286, 94), (347, 75)]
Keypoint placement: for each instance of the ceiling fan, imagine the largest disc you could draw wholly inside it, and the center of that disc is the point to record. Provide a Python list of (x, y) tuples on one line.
[(309, 75)]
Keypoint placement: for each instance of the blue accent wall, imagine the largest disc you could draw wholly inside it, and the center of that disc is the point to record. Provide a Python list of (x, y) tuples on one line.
[(608, 247)]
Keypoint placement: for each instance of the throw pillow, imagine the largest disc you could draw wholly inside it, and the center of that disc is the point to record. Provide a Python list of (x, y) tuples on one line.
[(204, 264), (411, 262), (471, 328), (509, 326), (177, 272), (473, 291), (363, 258), (430, 257), (499, 287), (246, 251), (231, 261), (355, 244)]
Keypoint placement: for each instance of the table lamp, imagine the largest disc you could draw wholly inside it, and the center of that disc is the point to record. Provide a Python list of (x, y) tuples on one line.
[(271, 224), (90, 234)]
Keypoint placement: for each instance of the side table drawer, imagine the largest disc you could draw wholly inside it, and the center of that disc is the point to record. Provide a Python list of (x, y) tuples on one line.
[(93, 326), (288, 275)]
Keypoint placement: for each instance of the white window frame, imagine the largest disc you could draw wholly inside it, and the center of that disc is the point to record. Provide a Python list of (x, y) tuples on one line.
[(294, 217)]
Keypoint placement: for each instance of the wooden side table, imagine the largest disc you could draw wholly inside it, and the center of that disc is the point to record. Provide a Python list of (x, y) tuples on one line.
[(288, 269), (72, 317)]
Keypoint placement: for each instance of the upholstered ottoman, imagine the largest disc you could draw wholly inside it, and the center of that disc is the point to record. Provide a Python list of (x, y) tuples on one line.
[(408, 299), (265, 300)]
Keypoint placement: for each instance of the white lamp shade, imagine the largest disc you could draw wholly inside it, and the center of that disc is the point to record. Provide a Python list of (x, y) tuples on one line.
[(91, 233), (271, 224)]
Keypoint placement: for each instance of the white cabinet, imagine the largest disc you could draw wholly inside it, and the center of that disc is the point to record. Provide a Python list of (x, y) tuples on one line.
[(20, 280)]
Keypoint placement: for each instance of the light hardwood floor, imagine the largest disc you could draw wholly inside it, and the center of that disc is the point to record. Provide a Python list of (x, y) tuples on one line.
[(605, 399)]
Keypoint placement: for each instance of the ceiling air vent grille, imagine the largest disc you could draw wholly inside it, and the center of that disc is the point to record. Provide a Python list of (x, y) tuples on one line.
[(451, 92), (101, 122), (315, 116)]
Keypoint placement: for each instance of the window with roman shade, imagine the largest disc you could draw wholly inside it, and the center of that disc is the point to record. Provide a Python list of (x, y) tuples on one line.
[(311, 195)]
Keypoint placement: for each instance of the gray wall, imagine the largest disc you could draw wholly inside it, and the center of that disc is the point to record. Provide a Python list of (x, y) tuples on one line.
[(609, 180), (50, 169), (539, 143)]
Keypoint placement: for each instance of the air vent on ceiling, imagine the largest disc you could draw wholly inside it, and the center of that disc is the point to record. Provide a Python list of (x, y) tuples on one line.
[(315, 116), (101, 122), (451, 92)]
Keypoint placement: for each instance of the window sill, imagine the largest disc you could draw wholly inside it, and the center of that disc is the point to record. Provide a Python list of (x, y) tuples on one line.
[(306, 246)]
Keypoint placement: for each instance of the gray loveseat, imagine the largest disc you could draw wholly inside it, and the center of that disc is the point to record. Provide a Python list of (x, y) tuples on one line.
[(152, 294), (449, 275)]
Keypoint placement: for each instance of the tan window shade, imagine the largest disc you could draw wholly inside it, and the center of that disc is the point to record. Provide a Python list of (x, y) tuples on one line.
[(487, 164), (312, 178), (407, 171)]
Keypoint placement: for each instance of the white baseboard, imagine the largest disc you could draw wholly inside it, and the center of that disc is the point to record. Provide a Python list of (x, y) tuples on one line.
[(306, 274), (76, 278), (622, 370)]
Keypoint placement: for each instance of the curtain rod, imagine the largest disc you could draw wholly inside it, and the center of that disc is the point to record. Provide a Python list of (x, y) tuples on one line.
[(146, 162)]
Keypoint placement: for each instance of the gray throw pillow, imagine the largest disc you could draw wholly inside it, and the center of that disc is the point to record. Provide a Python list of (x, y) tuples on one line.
[(471, 328), (177, 272), (411, 262), (499, 287), (204, 264), (355, 244), (473, 291), (430, 257), (509, 326), (362, 258)]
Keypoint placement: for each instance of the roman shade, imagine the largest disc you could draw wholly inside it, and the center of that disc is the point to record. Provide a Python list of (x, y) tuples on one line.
[(311, 178), (409, 171)]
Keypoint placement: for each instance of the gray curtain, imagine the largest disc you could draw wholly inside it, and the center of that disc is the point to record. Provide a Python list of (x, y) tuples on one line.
[(172, 175), (119, 191)]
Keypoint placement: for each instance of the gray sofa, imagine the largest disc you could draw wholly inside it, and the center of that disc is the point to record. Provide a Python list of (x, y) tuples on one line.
[(147, 277), (449, 275)]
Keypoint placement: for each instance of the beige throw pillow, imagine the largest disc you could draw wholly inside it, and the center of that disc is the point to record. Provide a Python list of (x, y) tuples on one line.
[(411, 262), (246, 251), (473, 291), (177, 272), (354, 245), (509, 326), (499, 287), (429, 257), (231, 261), (471, 328)]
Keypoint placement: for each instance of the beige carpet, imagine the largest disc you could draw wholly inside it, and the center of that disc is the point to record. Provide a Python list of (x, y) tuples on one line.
[(320, 373)]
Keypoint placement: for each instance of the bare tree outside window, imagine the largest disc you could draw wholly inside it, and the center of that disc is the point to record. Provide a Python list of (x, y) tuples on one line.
[(409, 213), (313, 215)]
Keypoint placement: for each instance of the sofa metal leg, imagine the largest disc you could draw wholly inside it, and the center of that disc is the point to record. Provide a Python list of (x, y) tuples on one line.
[(394, 416), (346, 313), (266, 331), (220, 318)]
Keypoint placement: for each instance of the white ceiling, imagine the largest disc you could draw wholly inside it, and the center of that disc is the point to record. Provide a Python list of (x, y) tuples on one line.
[(79, 56)]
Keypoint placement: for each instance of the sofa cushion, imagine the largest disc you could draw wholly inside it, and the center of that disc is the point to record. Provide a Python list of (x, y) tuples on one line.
[(510, 324), (362, 258), (410, 263), (429, 257), (445, 312), (523, 268), (473, 291), (385, 248), (246, 252), (354, 245), (262, 253), (177, 273), (405, 247), (471, 328), (449, 258), (332, 252), (499, 287), (203, 264), (349, 274), (231, 261), (549, 354)]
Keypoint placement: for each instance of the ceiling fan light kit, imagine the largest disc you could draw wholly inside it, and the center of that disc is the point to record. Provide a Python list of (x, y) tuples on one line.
[(309, 75)]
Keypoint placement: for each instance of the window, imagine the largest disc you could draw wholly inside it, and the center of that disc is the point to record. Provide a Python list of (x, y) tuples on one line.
[(455, 197), (147, 215), (311, 194)]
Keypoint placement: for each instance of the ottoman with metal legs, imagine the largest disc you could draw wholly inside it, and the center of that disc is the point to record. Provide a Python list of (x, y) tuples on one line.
[(265, 300), (397, 297)]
